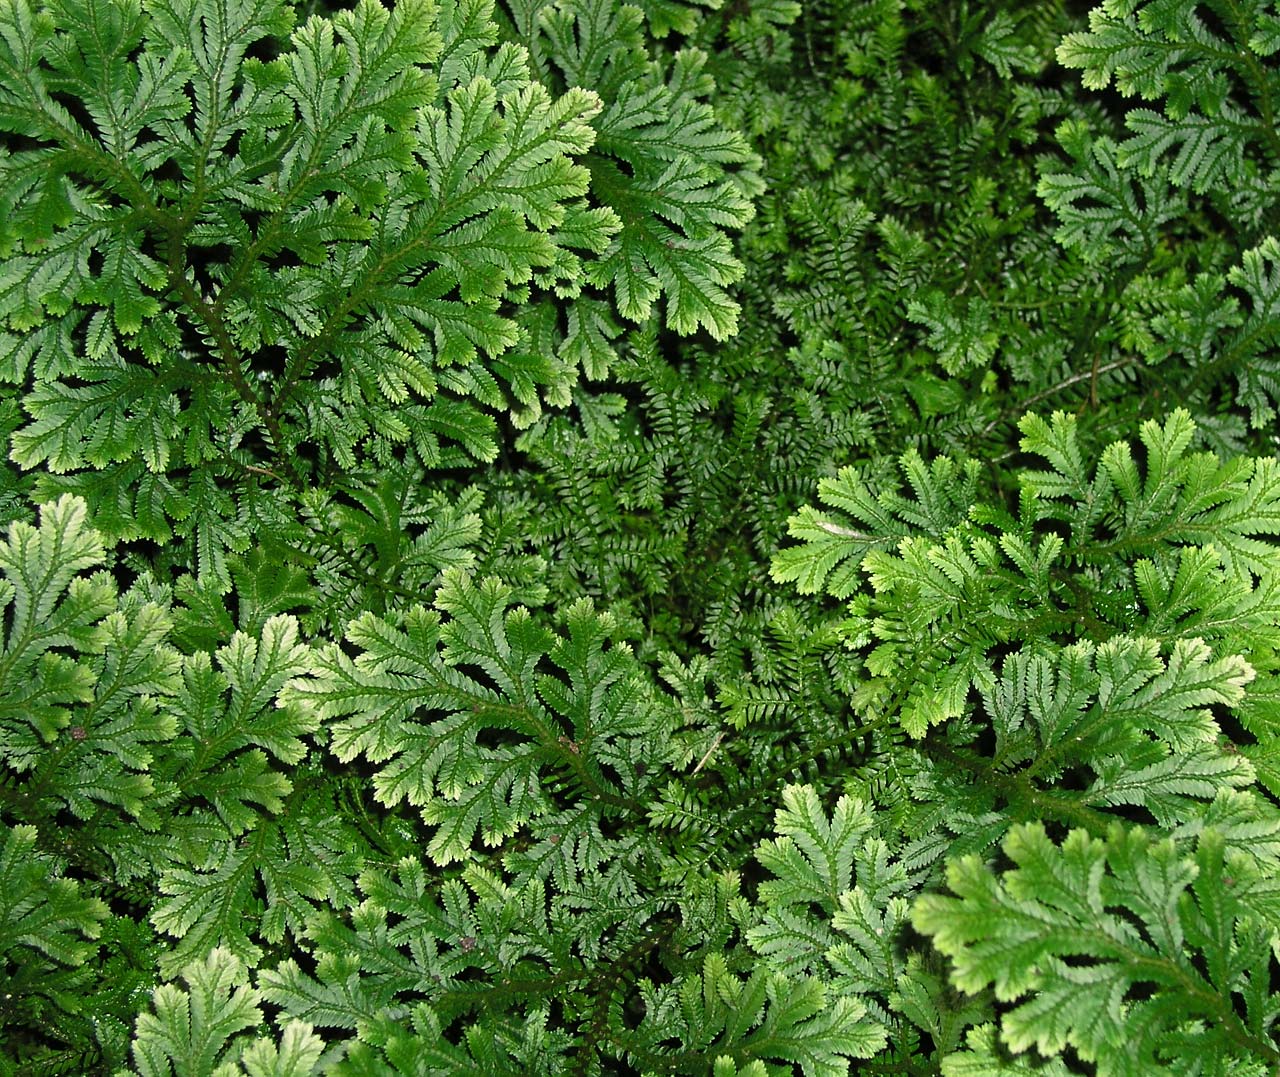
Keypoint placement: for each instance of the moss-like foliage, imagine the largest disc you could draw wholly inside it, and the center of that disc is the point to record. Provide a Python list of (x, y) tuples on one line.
[(576, 537)]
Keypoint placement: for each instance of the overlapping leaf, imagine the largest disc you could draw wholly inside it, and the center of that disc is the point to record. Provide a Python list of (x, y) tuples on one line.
[(1131, 950), (947, 596), (663, 162), (872, 515), (835, 903), (763, 1017), (283, 869), (358, 212), (462, 723), (1204, 70), (205, 1028)]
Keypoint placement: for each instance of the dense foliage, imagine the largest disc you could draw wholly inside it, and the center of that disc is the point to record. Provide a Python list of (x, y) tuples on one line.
[(673, 537)]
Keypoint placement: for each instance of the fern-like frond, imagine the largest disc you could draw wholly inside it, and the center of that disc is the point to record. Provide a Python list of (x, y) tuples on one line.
[(1132, 950), (417, 699)]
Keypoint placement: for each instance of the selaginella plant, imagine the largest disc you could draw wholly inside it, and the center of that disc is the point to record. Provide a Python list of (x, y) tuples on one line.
[(245, 258), (585, 537)]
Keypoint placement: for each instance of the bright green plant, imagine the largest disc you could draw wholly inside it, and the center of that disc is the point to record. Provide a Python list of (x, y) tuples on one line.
[(255, 256), (1084, 926), (582, 537)]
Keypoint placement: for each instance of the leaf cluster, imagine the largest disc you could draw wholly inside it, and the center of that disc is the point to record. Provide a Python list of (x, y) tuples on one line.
[(657, 537)]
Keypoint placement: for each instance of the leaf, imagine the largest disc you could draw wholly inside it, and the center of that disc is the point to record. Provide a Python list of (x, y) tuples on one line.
[(985, 1057), (1257, 277), (510, 1046), (765, 1017), (50, 605), (1206, 147), (813, 857), (872, 517), (1003, 48), (1096, 943), (1137, 722), (460, 724), (202, 1029), (122, 413), (407, 938), (42, 914), (297, 1055), (108, 753), (661, 165), (1140, 50), (961, 335), (834, 903), (1104, 213)]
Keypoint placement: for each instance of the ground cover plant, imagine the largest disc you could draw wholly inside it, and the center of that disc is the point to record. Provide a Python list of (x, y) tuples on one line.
[(674, 537)]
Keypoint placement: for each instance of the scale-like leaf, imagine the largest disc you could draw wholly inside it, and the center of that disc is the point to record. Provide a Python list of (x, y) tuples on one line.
[(1125, 950), (460, 721)]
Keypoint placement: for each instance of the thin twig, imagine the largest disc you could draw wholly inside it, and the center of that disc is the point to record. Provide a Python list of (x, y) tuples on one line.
[(843, 532), (714, 745)]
